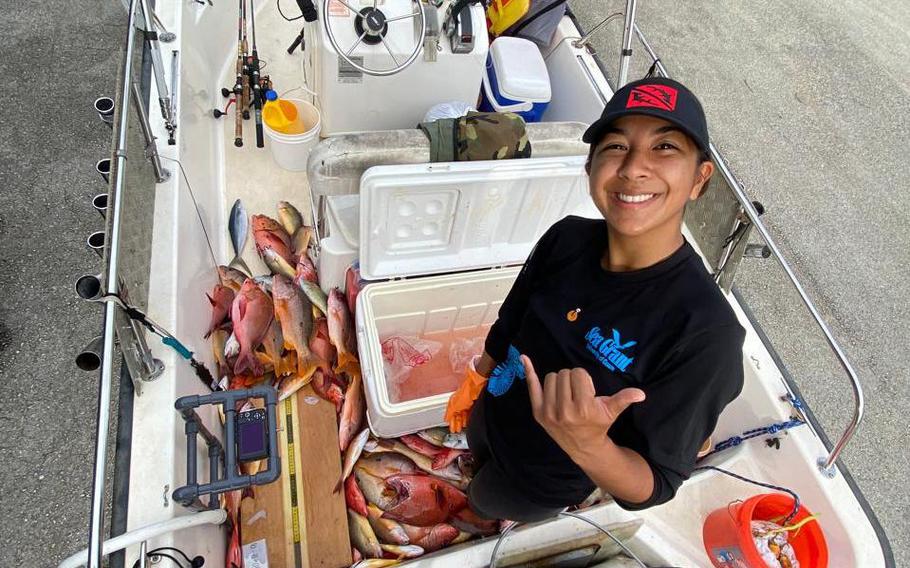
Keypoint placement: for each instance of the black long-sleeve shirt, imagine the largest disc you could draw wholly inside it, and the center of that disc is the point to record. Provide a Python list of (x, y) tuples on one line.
[(666, 329)]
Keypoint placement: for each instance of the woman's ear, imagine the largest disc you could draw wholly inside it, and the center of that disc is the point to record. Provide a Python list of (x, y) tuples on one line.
[(702, 177)]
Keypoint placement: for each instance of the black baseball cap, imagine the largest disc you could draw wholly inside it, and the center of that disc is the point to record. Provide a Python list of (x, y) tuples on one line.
[(655, 96)]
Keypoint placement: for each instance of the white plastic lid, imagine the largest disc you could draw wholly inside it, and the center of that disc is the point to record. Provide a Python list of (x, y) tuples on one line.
[(344, 217), (455, 216), (521, 72)]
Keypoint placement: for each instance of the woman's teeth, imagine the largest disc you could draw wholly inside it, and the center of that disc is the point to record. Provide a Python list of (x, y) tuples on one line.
[(634, 198)]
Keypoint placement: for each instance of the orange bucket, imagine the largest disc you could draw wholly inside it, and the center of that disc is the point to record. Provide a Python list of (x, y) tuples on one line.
[(727, 533)]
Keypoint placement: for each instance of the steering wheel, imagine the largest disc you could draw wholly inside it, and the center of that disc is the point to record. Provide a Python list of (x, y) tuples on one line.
[(372, 25)]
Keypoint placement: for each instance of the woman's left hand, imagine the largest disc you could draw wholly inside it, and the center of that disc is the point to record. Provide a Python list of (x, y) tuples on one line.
[(568, 408)]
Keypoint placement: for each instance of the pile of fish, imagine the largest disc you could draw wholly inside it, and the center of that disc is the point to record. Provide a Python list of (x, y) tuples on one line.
[(405, 496), (281, 327)]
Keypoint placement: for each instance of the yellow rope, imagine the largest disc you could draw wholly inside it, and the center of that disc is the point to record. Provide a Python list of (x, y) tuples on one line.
[(794, 527)]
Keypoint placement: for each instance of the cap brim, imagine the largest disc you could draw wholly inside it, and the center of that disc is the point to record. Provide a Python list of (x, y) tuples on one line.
[(599, 128)]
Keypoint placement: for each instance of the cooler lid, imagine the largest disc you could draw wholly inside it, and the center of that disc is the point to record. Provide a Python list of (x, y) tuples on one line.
[(455, 216), (521, 72)]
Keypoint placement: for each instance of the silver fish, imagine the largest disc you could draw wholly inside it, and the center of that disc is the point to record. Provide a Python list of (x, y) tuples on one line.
[(264, 283), (351, 455), (403, 550), (457, 441), (231, 346), (435, 436), (315, 294), (276, 263), (239, 230)]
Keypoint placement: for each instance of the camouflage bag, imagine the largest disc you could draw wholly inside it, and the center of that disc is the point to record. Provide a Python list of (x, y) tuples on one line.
[(491, 136), (477, 136)]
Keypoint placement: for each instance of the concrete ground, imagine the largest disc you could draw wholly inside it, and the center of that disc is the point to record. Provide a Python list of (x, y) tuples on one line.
[(809, 100)]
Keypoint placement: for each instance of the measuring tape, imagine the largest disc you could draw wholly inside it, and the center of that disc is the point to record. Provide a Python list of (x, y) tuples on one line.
[(292, 476)]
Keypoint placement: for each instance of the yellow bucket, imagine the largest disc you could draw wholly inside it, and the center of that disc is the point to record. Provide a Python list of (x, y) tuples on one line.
[(502, 14), (281, 116)]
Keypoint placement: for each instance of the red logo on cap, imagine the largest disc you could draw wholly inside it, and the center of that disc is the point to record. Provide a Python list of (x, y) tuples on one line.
[(653, 96)]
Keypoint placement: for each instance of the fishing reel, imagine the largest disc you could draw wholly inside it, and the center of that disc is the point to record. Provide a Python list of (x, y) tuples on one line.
[(265, 84)]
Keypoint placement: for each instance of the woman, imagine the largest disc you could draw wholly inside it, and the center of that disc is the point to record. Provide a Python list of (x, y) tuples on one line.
[(624, 349)]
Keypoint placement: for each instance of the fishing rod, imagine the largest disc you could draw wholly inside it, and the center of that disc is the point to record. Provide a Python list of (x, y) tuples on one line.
[(256, 80), (238, 85)]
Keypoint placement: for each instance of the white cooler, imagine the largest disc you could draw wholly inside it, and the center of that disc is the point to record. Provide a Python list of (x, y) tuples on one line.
[(446, 241)]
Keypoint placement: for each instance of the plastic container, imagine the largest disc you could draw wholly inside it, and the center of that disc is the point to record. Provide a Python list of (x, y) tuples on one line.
[(290, 151), (281, 115), (727, 533), (516, 79), (339, 249), (503, 14), (454, 235)]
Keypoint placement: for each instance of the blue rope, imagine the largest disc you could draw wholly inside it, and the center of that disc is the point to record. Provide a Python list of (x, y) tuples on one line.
[(770, 429), (760, 484)]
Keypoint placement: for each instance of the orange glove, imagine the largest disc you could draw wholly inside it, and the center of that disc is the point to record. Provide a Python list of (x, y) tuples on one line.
[(461, 401)]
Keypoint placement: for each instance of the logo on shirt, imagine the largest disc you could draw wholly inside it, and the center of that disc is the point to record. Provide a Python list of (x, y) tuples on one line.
[(609, 350)]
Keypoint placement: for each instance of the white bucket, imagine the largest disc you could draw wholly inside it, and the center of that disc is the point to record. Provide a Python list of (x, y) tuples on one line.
[(290, 151)]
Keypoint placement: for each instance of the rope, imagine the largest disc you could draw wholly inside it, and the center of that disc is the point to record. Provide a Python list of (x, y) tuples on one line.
[(770, 429), (167, 338), (760, 484)]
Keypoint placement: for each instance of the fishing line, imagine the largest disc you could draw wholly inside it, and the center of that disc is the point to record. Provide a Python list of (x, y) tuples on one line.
[(285, 17), (760, 484), (189, 188)]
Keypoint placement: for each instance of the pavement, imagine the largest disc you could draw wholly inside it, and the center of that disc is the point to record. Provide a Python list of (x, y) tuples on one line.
[(809, 101)]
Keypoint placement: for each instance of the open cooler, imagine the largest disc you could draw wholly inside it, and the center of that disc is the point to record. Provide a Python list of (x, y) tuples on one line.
[(441, 245)]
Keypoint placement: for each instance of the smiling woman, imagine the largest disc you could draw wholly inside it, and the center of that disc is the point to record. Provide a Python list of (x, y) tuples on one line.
[(629, 351)]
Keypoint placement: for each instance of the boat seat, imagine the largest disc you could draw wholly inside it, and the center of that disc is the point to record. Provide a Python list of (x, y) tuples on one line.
[(336, 164)]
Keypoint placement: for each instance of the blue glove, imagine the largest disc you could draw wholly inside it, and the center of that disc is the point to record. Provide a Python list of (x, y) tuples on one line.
[(504, 374)]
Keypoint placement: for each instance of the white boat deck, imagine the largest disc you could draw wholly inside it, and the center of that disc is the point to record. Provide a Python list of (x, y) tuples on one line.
[(182, 271)]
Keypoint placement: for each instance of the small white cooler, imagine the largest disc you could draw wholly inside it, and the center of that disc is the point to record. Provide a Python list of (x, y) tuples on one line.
[(445, 242)]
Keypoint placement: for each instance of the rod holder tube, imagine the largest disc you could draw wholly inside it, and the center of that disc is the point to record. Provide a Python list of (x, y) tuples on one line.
[(104, 106), (95, 243), (99, 203), (89, 359), (103, 167)]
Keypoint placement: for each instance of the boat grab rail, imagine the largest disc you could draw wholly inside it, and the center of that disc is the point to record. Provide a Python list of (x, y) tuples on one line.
[(825, 463), (148, 532), (96, 528)]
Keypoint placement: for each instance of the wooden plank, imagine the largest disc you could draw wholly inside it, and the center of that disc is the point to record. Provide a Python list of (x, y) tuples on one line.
[(262, 518), (323, 514)]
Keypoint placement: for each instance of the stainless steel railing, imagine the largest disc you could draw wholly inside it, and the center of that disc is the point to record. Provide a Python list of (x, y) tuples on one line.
[(96, 528), (825, 463)]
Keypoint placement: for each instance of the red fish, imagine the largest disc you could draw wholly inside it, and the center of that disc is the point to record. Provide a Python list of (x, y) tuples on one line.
[(252, 315), (353, 496), (326, 388), (296, 316), (351, 412), (469, 521), (306, 270), (445, 457), (431, 538), (422, 500), (321, 346), (420, 445), (341, 332), (268, 240), (221, 299)]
